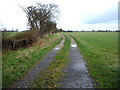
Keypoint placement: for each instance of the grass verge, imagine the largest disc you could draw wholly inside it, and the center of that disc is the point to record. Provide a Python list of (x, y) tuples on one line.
[(49, 77), (15, 64), (100, 50)]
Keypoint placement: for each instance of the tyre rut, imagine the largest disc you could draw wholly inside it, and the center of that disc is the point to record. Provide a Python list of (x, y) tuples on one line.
[(76, 73)]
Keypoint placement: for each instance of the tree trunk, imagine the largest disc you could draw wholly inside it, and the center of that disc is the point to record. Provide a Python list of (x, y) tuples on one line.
[(42, 29)]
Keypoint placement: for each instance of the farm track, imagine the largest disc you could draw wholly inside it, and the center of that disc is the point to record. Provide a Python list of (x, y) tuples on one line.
[(33, 74), (76, 73)]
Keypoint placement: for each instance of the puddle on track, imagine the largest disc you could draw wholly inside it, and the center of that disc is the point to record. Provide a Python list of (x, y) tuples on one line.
[(73, 45), (59, 45), (56, 48)]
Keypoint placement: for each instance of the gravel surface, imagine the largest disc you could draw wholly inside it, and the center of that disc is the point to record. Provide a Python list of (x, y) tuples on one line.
[(34, 73), (76, 73)]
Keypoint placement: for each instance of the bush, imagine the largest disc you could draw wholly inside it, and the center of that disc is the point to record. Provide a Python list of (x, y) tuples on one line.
[(20, 40)]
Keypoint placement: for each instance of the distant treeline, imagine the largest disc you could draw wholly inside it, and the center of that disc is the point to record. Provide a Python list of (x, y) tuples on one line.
[(5, 30), (92, 31)]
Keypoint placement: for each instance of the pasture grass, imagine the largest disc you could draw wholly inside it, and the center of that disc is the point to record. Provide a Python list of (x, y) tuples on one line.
[(100, 50), (15, 64), (14, 33), (10, 34), (50, 77)]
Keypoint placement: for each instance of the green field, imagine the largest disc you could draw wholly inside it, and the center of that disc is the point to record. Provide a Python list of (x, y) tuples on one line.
[(10, 34), (100, 50)]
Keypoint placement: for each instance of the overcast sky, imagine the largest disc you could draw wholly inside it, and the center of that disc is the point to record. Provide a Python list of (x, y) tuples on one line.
[(75, 14)]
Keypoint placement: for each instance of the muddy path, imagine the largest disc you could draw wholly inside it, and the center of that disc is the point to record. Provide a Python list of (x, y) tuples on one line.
[(76, 73), (33, 74)]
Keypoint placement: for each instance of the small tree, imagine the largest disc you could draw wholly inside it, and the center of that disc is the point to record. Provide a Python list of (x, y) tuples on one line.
[(50, 27)]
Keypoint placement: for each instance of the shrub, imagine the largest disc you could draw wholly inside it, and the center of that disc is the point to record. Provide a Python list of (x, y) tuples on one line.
[(20, 40)]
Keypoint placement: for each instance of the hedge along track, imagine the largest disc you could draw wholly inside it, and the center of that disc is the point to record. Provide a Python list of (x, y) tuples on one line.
[(33, 74), (50, 77)]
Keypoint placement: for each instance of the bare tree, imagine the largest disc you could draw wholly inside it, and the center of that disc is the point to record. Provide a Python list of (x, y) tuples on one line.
[(31, 15), (41, 15), (46, 13)]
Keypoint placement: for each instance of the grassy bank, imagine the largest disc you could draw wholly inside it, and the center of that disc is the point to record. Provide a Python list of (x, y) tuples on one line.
[(50, 76), (100, 49), (17, 63)]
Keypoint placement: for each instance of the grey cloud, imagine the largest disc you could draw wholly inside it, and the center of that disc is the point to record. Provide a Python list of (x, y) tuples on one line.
[(104, 17)]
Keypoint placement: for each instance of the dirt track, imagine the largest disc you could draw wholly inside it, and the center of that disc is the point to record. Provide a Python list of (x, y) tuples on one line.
[(76, 74)]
